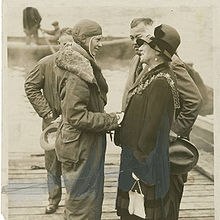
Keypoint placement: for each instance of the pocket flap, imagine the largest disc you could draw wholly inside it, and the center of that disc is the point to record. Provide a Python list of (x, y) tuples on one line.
[(70, 135)]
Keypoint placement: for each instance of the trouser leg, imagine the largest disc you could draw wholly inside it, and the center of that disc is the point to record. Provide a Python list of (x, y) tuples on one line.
[(36, 37), (54, 188), (53, 167), (27, 38), (176, 193)]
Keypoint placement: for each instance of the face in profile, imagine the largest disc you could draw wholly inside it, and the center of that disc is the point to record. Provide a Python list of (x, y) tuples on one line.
[(95, 43), (137, 32), (146, 52), (65, 38)]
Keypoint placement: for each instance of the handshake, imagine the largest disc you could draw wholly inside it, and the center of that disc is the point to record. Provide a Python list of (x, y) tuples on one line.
[(120, 116)]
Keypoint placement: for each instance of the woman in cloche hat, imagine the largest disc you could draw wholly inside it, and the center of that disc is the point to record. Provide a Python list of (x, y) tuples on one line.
[(145, 129)]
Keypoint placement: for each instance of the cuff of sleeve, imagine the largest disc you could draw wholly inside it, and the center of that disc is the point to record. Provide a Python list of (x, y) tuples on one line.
[(180, 132), (112, 121), (46, 114)]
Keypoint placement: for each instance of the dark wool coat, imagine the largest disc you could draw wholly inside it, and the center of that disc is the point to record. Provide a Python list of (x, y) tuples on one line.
[(190, 97), (145, 111), (146, 124), (144, 139)]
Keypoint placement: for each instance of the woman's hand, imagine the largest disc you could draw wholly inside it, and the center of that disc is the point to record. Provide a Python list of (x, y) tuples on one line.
[(173, 136)]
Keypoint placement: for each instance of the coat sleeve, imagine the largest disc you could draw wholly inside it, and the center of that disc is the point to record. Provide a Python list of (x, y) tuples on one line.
[(190, 99), (33, 85), (75, 107), (199, 83), (158, 99)]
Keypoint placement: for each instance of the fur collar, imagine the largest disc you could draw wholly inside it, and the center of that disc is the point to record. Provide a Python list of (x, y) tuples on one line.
[(75, 59)]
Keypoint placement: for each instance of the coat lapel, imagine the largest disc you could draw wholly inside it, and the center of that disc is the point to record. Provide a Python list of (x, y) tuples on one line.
[(140, 76)]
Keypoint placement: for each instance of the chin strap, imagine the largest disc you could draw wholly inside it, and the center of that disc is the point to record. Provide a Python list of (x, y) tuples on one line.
[(90, 42)]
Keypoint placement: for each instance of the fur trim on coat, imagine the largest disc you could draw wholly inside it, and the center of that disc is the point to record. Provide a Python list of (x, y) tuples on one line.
[(75, 59)]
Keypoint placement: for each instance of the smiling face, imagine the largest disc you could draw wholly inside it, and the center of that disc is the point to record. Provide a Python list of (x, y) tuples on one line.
[(94, 44), (146, 53), (137, 32)]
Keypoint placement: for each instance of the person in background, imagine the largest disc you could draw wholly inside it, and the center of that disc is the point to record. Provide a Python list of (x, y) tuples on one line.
[(65, 36), (144, 132), (189, 95), (47, 105), (31, 24), (55, 33), (81, 141)]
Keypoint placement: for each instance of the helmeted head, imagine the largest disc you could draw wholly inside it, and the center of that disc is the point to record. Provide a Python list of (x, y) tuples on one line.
[(165, 41), (88, 34)]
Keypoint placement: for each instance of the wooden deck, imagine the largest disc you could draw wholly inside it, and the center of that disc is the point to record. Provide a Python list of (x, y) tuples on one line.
[(27, 191)]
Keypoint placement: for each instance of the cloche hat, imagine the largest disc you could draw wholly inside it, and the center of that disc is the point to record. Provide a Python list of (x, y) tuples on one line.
[(165, 40)]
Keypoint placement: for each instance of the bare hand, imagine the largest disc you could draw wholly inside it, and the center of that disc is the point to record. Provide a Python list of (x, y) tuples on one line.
[(173, 136), (120, 116), (49, 116)]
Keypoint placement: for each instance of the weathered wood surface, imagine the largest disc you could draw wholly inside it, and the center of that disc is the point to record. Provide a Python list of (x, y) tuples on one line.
[(27, 191)]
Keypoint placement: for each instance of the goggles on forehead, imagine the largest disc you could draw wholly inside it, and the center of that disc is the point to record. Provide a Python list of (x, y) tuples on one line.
[(97, 37)]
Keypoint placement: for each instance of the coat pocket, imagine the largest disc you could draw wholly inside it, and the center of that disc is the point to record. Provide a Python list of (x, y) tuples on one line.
[(67, 145), (70, 135)]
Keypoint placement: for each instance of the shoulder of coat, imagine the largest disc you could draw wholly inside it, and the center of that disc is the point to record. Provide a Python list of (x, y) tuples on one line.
[(72, 61), (47, 58), (170, 82), (135, 60), (176, 61)]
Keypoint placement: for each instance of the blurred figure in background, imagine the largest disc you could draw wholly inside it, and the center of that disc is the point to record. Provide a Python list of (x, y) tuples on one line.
[(31, 24), (65, 36), (47, 105), (55, 33)]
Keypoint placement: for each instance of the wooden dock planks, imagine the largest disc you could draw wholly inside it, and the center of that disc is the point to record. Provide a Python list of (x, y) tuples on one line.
[(27, 191)]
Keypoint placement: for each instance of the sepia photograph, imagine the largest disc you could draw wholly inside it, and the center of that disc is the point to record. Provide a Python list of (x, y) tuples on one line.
[(108, 110)]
